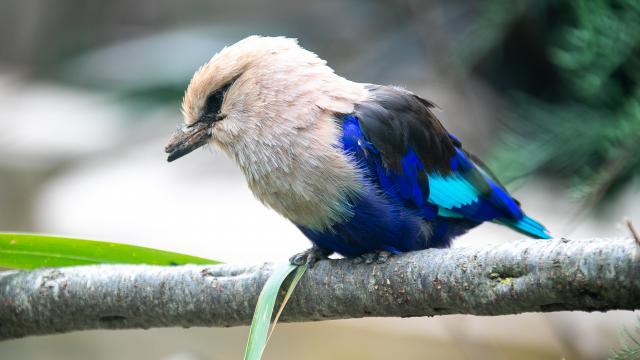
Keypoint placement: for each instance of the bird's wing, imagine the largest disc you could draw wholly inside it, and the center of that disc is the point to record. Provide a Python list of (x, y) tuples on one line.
[(410, 156)]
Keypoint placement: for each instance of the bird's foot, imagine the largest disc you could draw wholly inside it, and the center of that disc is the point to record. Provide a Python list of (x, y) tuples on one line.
[(310, 256), (379, 257)]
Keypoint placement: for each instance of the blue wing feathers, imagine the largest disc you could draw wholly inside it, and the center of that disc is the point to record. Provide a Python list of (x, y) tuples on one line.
[(528, 226), (422, 188), (466, 192), (451, 191)]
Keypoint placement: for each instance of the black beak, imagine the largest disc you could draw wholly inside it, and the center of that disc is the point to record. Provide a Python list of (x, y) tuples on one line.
[(186, 139)]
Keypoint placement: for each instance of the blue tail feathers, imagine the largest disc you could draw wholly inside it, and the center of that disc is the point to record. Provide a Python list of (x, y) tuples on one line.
[(529, 227)]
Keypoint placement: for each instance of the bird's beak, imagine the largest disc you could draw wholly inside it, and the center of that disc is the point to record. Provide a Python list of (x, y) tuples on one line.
[(186, 139)]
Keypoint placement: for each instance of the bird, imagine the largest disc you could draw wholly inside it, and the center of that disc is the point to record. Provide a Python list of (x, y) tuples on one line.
[(363, 170)]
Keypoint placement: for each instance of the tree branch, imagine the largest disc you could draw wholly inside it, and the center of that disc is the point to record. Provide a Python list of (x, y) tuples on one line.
[(511, 278)]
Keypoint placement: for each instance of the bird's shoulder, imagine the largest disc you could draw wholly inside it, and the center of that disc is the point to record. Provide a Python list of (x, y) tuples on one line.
[(397, 121)]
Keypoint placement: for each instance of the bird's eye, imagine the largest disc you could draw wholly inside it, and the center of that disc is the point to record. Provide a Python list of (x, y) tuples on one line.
[(214, 102)]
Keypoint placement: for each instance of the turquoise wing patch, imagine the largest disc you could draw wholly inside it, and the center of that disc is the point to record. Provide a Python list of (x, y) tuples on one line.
[(451, 191)]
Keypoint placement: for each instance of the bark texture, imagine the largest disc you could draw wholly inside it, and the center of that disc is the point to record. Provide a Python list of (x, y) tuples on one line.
[(511, 278)]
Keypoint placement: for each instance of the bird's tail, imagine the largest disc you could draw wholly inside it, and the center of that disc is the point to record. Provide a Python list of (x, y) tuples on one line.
[(528, 226)]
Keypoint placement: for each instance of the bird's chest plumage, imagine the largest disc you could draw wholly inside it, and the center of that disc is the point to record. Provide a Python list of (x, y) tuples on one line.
[(307, 179)]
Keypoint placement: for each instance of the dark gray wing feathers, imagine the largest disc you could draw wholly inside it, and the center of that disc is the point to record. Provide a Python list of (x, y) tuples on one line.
[(395, 120)]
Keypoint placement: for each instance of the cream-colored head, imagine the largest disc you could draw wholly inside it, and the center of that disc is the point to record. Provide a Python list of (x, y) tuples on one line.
[(263, 82), (271, 106), (236, 65)]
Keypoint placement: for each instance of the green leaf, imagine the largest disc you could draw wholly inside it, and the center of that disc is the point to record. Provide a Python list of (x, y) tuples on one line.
[(294, 282), (30, 251), (259, 330)]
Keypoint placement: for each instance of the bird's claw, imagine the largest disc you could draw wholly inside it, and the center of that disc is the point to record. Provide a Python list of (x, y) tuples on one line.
[(309, 256), (379, 257)]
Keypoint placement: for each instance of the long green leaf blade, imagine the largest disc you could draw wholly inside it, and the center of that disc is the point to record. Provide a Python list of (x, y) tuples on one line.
[(30, 251), (294, 282), (259, 330)]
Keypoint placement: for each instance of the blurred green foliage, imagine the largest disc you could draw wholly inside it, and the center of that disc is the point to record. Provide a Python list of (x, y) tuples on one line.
[(571, 75), (629, 346)]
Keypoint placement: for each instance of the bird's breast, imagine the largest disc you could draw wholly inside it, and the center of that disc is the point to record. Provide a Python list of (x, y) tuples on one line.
[(308, 179)]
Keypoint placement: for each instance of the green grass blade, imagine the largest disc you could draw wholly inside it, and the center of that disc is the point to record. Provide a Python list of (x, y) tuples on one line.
[(294, 282), (30, 251), (259, 330)]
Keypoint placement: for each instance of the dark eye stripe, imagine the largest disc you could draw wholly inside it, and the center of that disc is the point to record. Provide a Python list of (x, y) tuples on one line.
[(214, 102)]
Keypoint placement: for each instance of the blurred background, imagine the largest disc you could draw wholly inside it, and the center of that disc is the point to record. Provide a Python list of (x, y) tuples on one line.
[(547, 92)]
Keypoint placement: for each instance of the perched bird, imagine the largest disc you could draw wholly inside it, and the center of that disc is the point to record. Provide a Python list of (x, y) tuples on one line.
[(362, 170)]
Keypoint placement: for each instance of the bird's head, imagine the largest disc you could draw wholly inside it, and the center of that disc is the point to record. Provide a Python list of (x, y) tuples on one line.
[(241, 91), (271, 106)]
